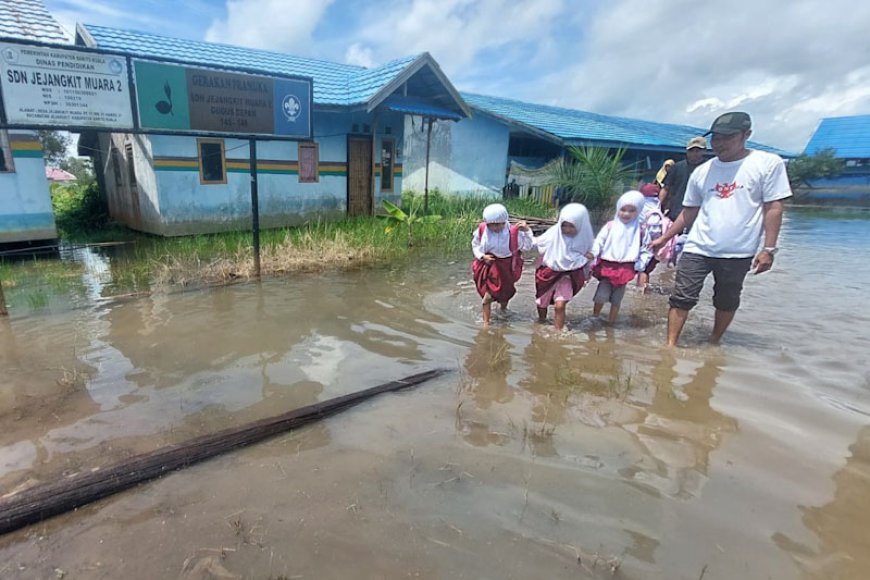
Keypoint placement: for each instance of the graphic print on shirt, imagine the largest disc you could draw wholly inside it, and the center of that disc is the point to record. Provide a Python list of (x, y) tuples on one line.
[(726, 190)]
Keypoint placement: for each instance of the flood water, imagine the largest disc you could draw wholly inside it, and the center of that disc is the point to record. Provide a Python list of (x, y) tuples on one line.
[(590, 454)]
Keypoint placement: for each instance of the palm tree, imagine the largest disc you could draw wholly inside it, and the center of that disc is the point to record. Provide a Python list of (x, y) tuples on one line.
[(593, 176)]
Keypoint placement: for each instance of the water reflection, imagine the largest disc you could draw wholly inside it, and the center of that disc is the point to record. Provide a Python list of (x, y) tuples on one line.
[(843, 550)]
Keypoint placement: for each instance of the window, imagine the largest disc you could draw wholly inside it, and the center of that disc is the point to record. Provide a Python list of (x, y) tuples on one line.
[(212, 163), (116, 166), (6, 163), (388, 156), (131, 166), (309, 156)]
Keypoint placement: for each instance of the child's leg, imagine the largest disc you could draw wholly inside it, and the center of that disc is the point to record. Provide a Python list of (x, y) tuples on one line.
[(542, 314), (615, 300), (643, 280), (559, 318), (602, 295), (487, 309)]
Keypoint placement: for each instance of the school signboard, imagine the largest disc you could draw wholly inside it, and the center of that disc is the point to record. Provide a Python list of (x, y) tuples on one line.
[(183, 99), (53, 87)]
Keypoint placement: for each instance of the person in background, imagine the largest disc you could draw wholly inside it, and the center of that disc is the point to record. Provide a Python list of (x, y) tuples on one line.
[(561, 271), (732, 202), (498, 261), (674, 185), (617, 248), (663, 172)]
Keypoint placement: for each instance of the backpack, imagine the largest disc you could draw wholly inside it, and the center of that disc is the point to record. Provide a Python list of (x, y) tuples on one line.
[(655, 225), (514, 244)]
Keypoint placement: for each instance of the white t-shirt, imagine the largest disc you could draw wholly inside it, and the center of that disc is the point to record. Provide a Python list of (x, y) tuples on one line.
[(731, 196)]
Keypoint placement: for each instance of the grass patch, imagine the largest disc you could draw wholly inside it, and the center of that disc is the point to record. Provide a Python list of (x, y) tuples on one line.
[(149, 261)]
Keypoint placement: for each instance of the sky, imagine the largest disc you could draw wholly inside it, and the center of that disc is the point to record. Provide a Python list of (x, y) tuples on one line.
[(788, 63)]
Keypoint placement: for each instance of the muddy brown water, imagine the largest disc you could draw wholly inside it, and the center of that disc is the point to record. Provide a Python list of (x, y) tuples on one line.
[(590, 454)]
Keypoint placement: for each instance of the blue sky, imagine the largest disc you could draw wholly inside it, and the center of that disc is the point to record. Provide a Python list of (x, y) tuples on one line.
[(787, 62)]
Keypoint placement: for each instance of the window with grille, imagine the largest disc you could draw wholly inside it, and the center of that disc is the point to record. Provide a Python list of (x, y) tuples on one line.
[(212, 161)]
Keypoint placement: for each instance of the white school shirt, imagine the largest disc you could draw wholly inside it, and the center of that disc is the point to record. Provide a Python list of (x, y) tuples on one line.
[(731, 196), (498, 244)]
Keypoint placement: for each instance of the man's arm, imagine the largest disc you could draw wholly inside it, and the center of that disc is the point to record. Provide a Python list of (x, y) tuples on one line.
[(772, 219)]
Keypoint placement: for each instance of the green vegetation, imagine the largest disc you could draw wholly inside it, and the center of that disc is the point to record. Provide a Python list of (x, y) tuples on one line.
[(407, 219), (593, 176), (820, 165), (139, 262)]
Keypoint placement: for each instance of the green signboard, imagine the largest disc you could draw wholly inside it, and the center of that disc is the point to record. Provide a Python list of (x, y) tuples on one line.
[(184, 99)]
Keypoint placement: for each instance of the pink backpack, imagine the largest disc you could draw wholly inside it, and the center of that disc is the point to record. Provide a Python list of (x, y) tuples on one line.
[(516, 254)]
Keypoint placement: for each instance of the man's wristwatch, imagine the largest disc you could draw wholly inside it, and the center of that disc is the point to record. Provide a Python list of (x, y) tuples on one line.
[(770, 250)]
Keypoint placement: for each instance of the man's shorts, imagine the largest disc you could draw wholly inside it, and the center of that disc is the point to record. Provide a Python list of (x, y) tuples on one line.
[(728, 275)]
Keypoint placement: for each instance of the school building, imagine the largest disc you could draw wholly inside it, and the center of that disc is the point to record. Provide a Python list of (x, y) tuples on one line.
[(174, 185), (849, 138), (25, 201), (507, 140)]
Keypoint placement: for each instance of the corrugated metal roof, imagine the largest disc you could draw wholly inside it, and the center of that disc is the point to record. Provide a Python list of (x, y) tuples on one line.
[(334, 83), (415, 106), (29, 20), (571, 126), (848, 136)]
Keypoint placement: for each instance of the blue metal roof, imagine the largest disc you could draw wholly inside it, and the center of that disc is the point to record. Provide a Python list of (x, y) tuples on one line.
[(30, 20), (334, 83), (572, 127), (415, 106), (848, 136)]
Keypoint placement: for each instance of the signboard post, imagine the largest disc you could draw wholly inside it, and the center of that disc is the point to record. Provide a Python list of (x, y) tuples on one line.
[(74, 89), (54, 87)]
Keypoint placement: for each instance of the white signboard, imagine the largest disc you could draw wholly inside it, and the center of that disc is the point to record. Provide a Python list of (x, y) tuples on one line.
[(58, 87)]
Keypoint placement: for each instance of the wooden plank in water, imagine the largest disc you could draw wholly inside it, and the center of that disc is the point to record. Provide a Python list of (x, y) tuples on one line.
[(40, 502)]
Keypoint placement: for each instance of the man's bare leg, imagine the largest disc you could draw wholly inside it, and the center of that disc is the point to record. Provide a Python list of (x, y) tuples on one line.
[(720, 325), (676, 319), (614, 312)]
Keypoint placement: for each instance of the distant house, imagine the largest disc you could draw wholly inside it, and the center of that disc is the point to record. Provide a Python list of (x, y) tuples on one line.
[(849, 138), (505, 135), (173, 185), (58, 175), (25, 203)]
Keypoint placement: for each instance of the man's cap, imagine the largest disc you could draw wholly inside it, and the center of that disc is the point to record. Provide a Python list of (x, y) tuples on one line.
[(698, 142), (730, 123)]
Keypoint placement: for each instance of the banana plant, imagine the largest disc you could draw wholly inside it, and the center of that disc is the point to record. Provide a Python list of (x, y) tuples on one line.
[(399, 218)]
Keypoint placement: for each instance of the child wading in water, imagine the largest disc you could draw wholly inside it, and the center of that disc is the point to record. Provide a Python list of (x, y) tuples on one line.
[(617, 247), (498, 262), (563, 248)]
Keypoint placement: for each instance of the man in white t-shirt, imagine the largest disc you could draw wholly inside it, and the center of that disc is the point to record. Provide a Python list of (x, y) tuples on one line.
[(732, 200)]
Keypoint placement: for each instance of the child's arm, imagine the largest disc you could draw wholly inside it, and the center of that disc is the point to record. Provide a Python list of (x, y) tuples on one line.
[(525, 240), (476, 246), (600, 239), (643, 259)]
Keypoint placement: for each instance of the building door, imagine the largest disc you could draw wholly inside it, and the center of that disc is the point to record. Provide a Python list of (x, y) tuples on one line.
[(359, 176)]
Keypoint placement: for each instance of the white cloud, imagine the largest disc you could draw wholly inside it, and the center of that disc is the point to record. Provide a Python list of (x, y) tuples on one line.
[(455, 32), (359, 55), (786, 62), (269, 24)]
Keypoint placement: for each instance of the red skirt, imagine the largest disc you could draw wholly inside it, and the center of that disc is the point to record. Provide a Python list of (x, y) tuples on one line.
[(617, 273), (546, 278), (497, 279)]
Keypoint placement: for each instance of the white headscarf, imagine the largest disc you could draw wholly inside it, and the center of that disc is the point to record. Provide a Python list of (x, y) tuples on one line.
[(495, 213), (560, 252), (623, 240), (496, 243)]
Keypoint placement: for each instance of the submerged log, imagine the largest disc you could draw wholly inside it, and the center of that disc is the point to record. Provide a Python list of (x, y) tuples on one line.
[(40, 502)]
